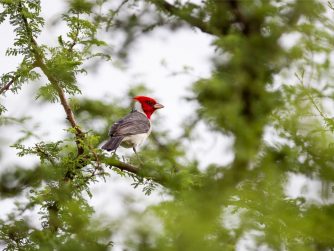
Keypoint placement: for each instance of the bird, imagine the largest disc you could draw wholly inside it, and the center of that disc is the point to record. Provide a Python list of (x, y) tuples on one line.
[(133, 129)]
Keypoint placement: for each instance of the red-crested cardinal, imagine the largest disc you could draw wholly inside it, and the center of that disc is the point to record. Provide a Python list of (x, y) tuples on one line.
[(133, 129)]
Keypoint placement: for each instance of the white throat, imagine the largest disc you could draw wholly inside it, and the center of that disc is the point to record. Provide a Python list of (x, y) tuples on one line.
[(137, 107)]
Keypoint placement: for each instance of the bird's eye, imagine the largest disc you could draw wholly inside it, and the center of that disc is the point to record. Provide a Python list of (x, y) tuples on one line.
[(149, 102)]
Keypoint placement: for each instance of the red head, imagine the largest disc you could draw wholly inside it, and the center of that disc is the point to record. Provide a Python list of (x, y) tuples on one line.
[(148, 105)]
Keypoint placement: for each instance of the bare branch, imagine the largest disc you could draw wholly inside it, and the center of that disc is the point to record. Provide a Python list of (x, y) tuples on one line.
[(121, 165), (115, 13), (142, 171), (7, 86)]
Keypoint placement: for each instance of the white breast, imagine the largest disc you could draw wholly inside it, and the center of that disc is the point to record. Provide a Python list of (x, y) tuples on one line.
[(135, 140)]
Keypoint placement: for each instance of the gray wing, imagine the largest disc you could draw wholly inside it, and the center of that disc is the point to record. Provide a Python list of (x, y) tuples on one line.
[(134, 123)]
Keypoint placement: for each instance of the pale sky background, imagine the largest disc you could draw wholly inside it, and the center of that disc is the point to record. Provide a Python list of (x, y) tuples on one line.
[(186, 47)]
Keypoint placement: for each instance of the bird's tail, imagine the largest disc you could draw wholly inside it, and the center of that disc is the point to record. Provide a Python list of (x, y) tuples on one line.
[(112, 143)]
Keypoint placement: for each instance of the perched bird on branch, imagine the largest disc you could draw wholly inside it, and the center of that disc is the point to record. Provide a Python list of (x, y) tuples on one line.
[(133, 129)]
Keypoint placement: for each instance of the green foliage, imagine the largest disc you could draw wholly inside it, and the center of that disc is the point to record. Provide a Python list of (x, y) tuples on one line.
[(81, 6), (259, 84)]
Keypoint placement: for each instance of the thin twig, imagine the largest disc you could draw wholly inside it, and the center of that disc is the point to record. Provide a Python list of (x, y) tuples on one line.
[(115, 13), (96, 157), (310, 97), (75, 40), (6, 86), (45, 154)]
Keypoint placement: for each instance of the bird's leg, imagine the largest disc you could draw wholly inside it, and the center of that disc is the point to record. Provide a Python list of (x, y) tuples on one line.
[(134, 149), (114, 154)]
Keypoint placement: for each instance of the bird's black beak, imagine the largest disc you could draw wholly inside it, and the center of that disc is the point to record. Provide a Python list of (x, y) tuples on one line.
[(158, 106)]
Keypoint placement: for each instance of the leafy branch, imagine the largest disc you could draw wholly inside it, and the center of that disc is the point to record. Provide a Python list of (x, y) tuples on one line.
[(172, 10), (23, 72), (39, 62), (213, 28), (80, 135)]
